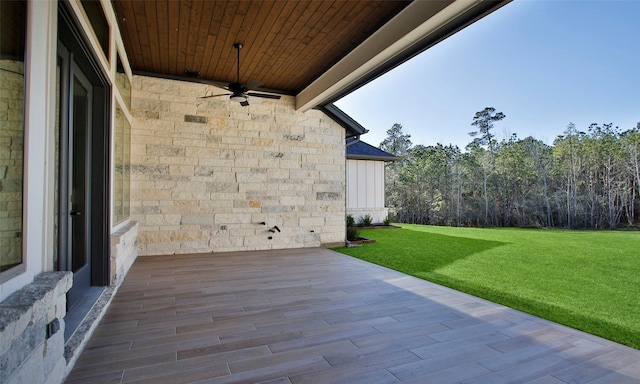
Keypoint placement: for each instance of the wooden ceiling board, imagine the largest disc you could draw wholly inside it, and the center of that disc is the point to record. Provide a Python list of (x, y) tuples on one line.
[(269, 51), (286, 44), (126, 18), (322, 56), (183, 35), (229, 69), (213, 44), (298, 43), (153, 36), (173, 32), (194, 32), (140, 16), (308, 42), (162, 12), (225, 55), (201, 41)]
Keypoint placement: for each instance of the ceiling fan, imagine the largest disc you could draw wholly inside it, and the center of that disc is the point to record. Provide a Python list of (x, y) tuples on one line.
[(240, 92)]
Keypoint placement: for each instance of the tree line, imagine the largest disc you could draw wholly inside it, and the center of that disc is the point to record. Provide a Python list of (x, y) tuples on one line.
[(584, 180)]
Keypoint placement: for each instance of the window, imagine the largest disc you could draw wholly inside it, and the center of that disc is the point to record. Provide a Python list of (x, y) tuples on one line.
[(121, 174), (123, 83), (13, 17), (99, 23)]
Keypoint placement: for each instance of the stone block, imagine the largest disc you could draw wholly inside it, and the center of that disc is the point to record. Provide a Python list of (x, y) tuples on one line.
[(251, 177), (160, 248), (312, 221), (149, 105), (188, 129), (202, 152), (332, 196), (278, 208), (197, 219), (150, 194), (247, 162), (216, 187), (152, 237), (181, 170), (244, 218), (140, 113), (194, 246), (158, 85), (184, 236), (149, 169), (164, 150), (304, 174)]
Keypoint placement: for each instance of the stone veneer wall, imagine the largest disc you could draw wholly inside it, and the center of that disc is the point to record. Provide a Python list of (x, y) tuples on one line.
[(207, 172), (124, 251), (11, 154), (32, 331)]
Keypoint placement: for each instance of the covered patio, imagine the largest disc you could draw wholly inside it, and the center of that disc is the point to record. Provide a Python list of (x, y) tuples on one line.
[(316, 316)]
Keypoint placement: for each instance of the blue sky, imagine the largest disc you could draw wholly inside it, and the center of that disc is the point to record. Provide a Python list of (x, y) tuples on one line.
[(542, 63)]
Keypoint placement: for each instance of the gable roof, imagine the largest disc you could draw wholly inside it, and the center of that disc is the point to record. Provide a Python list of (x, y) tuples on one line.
[(352, 127), (359, 150)]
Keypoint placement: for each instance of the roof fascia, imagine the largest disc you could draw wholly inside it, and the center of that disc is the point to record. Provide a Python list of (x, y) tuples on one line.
[(369, 157), (419, 26), (336, 114)]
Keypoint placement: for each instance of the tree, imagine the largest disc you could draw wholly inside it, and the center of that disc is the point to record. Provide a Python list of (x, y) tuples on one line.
[(632, 144), (399, 144), (584, 180), (485, 138)]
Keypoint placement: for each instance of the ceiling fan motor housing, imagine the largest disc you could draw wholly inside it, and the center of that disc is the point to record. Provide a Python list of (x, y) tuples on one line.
[(237, 88)]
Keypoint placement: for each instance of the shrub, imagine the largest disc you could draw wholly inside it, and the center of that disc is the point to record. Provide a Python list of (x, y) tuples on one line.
[(350, 221), (367, 220), (353, 233), (387, 220)]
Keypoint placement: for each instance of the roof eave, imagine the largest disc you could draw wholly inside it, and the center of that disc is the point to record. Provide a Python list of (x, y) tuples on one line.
[(352, 127), (368, 157), (419, 26)]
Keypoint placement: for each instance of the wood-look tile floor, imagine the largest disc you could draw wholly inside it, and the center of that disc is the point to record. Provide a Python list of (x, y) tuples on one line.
[(316, 316)]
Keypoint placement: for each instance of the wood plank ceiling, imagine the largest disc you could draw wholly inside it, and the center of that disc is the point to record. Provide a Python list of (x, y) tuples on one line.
[(287, 44)]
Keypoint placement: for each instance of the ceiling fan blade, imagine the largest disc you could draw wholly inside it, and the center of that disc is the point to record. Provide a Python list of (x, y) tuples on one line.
[(264, 95), (253, 84), (220, 94), (244, 103)]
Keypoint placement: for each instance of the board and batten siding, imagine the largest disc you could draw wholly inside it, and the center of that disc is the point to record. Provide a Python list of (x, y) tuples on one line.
[(365, 189)]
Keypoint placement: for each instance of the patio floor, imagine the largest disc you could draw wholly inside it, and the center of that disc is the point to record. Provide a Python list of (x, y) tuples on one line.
[(317, 316)]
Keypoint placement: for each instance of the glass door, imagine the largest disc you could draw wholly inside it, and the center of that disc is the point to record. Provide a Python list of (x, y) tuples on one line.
[(79, 165), (74, 193)]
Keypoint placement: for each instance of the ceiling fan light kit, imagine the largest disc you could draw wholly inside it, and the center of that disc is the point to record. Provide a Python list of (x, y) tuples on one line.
[(239, 90)]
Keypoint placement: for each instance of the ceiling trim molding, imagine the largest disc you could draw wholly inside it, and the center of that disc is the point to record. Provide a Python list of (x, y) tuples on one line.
[(419, 26)]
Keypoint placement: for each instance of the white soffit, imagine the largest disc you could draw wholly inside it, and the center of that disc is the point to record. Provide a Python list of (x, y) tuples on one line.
[(417, 21)]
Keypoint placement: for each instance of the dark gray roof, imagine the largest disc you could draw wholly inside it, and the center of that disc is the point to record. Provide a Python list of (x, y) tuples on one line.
[(353, 127), (359, 150)]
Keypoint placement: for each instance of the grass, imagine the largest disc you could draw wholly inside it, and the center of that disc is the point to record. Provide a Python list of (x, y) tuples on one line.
[(588, 280)]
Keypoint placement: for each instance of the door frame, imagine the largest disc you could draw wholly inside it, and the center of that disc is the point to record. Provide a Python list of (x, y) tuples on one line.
[(98, 148)]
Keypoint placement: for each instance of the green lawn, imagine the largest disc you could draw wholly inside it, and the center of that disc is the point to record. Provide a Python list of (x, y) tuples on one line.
[(589, 280)]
